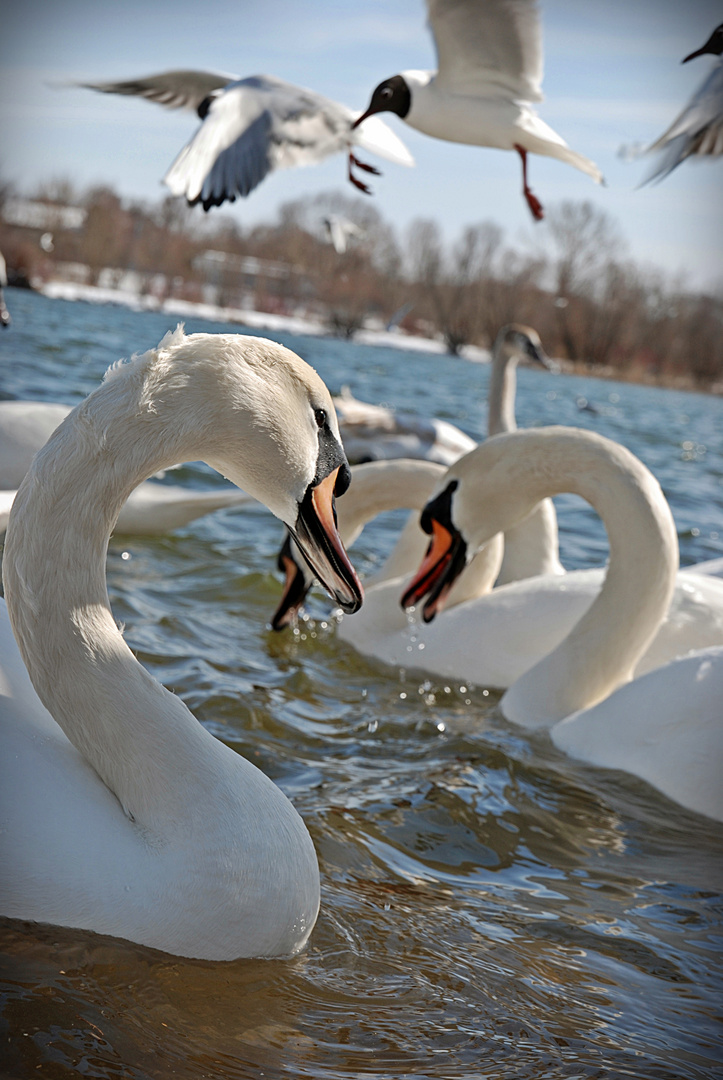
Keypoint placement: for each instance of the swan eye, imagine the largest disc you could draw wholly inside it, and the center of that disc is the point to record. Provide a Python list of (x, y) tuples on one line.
[(320, 417)]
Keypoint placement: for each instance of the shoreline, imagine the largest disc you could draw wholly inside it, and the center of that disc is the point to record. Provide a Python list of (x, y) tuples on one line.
[(378, 338)]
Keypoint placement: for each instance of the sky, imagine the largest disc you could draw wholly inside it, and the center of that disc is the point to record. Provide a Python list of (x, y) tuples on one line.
[(612, 76)]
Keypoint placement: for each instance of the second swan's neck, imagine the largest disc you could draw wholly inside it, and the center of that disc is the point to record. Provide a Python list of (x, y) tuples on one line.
[(502, 391), (601, 651)]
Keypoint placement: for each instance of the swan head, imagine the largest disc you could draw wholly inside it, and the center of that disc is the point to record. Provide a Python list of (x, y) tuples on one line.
[(261, 416), (519, 342), (486, 492)]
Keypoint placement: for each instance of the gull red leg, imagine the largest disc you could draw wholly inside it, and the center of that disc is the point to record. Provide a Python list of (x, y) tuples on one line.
[(361, 165), (532, 201)]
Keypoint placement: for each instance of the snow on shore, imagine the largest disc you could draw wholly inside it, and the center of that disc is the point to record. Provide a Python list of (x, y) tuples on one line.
[(257, 320)]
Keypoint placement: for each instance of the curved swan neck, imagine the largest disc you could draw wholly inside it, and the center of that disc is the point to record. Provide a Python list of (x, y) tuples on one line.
[(142, 741), (502, 388), (377, 486), (603, 648)]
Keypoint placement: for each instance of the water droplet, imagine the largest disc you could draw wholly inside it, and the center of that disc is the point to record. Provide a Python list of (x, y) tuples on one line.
[(372, 726), (403, 696), (126, 555)]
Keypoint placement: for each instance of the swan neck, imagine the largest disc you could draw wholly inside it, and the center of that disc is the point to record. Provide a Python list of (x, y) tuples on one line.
[(137, 736), (602, 649), (502, 391)]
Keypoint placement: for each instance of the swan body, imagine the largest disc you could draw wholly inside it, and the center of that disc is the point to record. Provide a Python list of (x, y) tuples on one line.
[(151, 509), (489, 75), (665, 727), (119, 812), (493, 639), (252, 126), (584, 681)]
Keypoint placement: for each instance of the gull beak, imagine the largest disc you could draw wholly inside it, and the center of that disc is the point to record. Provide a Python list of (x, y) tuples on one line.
[(319, 542), (364, 116)]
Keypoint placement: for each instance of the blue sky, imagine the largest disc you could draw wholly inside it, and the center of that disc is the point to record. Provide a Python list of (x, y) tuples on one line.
[(612, 75)]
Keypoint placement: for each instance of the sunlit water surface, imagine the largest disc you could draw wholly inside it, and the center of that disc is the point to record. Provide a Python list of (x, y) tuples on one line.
[(489, 907)]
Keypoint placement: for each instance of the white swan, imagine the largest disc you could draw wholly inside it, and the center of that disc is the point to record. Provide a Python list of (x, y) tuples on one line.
[(251, 127), (380, 486), (120, 813), (489, 58), (152, 509), (494, 640), (499, 482)]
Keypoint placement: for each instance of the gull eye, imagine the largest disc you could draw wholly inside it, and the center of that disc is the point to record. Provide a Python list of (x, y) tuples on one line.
[(387, 92), (320, 417)]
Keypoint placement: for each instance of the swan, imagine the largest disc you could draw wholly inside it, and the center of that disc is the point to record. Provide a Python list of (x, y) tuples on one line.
[(151, 510), (251, 127), (489, 73), (379, 486), (604, 647), (120, 813), (698, 130), (495, 639)]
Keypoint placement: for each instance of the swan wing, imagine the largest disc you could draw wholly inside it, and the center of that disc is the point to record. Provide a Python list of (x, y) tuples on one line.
[(488, 47)]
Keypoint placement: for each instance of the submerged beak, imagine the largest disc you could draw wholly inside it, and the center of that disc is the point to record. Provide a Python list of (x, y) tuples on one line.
[(296, 586), (319, 542), (445, 560)]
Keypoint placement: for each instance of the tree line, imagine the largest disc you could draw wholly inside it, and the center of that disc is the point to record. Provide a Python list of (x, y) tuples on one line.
[(592, 306)]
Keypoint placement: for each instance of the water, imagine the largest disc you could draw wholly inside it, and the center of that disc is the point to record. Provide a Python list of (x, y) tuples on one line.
[(489, 907)]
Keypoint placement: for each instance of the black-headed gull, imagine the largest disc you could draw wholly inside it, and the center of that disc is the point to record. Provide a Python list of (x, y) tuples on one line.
[(489, 55), (698, 130), (251, 127)]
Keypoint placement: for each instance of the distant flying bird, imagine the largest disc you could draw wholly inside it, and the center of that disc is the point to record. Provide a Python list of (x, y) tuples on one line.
[(339, 231), (698, 130), (489, 56), (253, 126)]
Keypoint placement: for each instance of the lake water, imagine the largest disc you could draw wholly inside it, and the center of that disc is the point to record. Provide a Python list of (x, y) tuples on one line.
[(490, 908)]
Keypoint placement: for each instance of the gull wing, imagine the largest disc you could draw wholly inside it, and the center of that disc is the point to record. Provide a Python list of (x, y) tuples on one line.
[(696, 131), (260, 124), (174, 89), (488, 47)]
